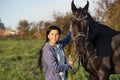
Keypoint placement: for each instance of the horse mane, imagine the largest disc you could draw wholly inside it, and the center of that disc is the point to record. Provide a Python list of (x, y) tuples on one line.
[(90, 19), (98, 24)]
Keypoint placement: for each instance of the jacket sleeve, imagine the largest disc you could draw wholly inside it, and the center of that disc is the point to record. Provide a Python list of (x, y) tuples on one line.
[(65, 40), (50, 59)]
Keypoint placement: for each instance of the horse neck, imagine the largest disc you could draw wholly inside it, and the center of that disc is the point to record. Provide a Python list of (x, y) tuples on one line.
[(105, 30), (93, 29)]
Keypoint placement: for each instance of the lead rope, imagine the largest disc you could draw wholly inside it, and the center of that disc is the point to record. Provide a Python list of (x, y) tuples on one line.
[(77, 56)]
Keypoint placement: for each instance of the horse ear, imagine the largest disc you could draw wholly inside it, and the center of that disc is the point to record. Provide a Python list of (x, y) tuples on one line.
[(73, 7), (86, 7)]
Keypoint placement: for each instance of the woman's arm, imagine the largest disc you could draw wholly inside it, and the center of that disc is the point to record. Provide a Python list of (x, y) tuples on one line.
[(65, 40)]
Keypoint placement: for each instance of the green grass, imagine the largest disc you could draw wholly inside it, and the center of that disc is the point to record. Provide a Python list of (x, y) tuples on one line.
[(18, 61)]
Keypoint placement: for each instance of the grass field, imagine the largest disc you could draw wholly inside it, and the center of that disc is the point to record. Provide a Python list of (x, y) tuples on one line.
[(18, 61)]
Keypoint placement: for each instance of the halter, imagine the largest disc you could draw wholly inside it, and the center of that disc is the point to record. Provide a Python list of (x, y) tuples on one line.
[(78, 18), (80, 34)]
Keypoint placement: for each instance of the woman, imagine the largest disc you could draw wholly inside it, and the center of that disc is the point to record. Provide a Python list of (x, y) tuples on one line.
[(52, 54)]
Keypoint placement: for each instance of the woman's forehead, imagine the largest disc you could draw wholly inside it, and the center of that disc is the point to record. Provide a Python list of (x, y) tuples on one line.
[(54, 31)]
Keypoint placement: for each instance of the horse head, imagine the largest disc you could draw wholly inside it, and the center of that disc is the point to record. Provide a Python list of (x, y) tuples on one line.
[(79, 27)]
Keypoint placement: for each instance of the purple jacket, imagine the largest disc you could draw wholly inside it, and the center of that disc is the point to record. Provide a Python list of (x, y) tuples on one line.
[(50, 62)]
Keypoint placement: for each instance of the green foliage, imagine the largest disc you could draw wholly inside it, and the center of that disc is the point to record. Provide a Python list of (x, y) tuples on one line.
[(77, 74), (18, 61)]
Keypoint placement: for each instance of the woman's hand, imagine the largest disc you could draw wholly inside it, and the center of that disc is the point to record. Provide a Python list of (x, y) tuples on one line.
[(71, 63), (70, 28)]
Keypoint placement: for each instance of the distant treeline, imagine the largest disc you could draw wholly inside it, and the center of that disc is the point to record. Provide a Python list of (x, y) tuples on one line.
[(107, 13)]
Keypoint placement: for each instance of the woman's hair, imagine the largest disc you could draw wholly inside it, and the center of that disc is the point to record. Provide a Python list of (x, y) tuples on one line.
[(41, 52)]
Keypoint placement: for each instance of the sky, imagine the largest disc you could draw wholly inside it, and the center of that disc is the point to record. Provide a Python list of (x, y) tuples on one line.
[(12, 11)]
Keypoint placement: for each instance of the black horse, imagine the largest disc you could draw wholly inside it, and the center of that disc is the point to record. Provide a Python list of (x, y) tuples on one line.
[(98, 45)]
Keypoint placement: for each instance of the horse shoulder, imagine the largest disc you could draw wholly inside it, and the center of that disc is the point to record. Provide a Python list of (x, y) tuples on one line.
[(116, 53)]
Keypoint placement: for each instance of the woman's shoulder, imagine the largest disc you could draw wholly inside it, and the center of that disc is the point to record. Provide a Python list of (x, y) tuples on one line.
[(48, 49), (46, 46)]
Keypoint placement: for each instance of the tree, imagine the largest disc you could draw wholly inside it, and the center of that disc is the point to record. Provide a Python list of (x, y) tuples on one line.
[(108, 13), (23, 28), (113, 15), (63, 21), (1, 25)]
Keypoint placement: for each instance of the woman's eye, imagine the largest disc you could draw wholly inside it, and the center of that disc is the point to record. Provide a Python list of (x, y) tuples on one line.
[(52, 34)]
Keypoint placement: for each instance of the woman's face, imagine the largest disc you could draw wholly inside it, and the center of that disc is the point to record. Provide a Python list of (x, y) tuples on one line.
[(53, 36)]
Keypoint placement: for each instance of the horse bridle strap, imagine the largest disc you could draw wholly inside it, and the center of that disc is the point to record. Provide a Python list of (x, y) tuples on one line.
[(78, 18), (78, 35)]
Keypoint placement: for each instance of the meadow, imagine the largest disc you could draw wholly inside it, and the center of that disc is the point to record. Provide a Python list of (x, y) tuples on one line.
[(18, 61)]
